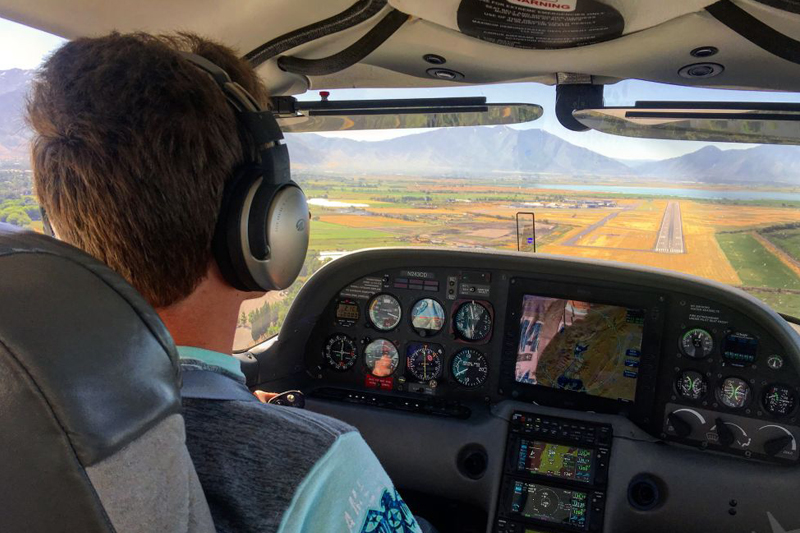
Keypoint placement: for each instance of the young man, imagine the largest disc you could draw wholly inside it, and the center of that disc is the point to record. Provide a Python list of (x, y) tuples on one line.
[(133, 145)]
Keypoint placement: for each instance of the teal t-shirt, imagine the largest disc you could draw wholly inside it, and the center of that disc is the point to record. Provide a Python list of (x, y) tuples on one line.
[(279, 469)]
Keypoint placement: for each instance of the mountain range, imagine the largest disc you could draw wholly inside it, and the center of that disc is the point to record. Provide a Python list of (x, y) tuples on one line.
[(469, 151)]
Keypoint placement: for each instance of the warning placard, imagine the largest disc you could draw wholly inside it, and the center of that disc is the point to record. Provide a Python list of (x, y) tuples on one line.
[(540, 24)]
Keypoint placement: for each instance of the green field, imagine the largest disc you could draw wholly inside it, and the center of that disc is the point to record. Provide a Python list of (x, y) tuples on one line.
[(780, 301), (788, 240), (325, 236), (756, 266)]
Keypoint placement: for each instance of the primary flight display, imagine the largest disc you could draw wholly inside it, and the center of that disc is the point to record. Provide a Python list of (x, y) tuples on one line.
[(579, 346)]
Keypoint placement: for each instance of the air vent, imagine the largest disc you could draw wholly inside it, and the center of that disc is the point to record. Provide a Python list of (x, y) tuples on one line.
[(701, 70)]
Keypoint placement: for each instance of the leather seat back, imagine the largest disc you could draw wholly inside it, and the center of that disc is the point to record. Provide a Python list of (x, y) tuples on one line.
[(91, 435)]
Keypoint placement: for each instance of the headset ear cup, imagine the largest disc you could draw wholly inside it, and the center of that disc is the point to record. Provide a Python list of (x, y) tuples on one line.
[(278, 233), (226, 245)]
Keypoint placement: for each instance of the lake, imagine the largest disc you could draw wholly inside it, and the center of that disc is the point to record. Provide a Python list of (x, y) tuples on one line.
[(698, 194)]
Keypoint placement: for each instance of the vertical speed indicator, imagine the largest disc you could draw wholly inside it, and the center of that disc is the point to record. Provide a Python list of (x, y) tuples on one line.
[(469, 368)]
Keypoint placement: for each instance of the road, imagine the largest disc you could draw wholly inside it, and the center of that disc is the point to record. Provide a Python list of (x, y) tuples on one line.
[(670, 236), (573, 241)]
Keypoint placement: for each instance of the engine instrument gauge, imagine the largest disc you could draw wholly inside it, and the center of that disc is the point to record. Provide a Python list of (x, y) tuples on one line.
[(381, 357), (427, 316), (424, 360), (779, 400), (775, 362), (734, 393), (469, 368), (697, 343), (340, 352), (691, 385), (385, 312), (739, 348), (473, 321)]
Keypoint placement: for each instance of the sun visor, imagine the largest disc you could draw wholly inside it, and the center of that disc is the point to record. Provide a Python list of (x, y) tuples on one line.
[(547, 24)]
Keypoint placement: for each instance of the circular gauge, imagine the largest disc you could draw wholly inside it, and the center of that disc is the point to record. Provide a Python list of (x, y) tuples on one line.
[(424, 361), (469, 368), (340, 352), (385, 312), (692, 385), (779, 400), (734, 393), (473, 321), (427, 315), (775, 362), (697, 343), (381, 357)]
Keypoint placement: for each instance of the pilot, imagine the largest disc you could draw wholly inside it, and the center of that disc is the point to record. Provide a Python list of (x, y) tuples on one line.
[(133, 147)]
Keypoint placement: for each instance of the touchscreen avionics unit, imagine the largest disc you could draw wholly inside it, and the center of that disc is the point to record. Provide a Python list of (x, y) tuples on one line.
[(550, 504), (580, 346)]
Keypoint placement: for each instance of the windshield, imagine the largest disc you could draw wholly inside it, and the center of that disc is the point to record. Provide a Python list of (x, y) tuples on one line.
[(726, 212)]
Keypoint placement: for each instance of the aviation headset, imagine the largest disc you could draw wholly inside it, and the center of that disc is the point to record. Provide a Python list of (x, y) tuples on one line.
[(261, 236)]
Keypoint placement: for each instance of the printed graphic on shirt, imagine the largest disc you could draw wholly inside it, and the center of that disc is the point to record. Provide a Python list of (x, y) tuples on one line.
[(392, 516), (348, 491)]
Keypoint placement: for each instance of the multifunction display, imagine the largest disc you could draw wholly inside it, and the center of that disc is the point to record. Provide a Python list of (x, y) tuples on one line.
[(580, 346), (555, 460), (550, 504), (555, 474)]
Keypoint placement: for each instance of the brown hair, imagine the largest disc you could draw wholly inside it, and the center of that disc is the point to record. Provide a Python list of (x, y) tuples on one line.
[(132, 148)]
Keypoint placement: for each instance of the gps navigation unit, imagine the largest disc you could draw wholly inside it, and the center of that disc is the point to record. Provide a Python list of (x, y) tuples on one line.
[(579, 346)]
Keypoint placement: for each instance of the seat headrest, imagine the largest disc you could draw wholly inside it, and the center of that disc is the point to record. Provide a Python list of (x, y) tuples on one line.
[(86, 367)]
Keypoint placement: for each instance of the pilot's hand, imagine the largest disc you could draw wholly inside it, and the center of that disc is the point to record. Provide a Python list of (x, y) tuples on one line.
[(265, 397)]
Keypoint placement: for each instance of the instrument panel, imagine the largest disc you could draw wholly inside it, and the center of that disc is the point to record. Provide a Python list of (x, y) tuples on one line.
[(417, 332), (684, 366)]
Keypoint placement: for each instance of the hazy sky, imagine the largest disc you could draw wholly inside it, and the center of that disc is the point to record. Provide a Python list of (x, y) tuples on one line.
[(23, 47)]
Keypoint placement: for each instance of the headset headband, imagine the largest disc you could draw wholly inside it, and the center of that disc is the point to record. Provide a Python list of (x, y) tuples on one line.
[(259, 123)]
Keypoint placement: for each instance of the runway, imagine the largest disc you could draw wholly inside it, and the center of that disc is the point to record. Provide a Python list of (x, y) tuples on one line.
[(670, 236)]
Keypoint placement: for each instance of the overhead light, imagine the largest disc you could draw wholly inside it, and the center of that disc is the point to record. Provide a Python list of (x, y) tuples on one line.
[(445, 74)]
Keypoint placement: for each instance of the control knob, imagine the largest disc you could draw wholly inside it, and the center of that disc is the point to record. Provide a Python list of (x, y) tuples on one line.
[(725, 434), (775, 446), (679, 425)]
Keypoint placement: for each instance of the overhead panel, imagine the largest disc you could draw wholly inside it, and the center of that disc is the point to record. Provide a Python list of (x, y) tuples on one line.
[(547, 24)]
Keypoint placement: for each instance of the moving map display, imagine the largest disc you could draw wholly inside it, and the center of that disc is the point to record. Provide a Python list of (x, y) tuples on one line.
[(555, 460), (580, 346)]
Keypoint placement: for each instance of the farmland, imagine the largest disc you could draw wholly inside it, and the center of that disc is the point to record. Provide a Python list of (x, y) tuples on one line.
[(718, 240), (754, 245)]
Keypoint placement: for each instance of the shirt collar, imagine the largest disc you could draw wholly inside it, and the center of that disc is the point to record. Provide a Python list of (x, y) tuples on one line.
[(226, 363)]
